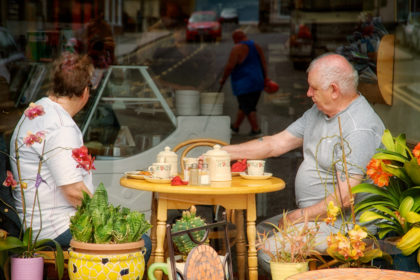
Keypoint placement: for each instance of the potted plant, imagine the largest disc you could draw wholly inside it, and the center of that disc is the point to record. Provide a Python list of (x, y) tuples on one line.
[(25, 250), (395, 200), (106, 240), (188, 220), (293, 247)]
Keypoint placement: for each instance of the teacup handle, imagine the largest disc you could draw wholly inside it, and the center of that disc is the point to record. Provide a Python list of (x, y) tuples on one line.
[(151, 169), (159, 266)]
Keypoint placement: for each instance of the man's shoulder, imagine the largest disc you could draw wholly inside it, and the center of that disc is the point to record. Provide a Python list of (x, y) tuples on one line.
[(364, 117)]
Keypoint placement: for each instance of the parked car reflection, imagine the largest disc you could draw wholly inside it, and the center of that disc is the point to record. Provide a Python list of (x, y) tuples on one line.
[(229, 15), (203, 25)]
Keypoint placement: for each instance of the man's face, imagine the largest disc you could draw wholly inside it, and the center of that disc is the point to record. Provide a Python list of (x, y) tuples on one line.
[(321, 97)]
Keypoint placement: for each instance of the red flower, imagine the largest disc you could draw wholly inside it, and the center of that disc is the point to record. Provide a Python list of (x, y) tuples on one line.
[(34, 111), (377, 174), (31, 138), (83, 159), (10, 181)]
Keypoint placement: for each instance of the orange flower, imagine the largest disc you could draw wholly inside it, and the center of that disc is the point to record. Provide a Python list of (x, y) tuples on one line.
[(358, 233), (377, 174), (332, 212), (416, 152)]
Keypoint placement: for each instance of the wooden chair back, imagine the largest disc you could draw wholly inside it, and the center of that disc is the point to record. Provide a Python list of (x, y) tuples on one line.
[(191, 144)]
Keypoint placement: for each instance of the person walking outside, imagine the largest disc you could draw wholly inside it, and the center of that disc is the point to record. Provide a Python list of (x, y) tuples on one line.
[(247, 70)]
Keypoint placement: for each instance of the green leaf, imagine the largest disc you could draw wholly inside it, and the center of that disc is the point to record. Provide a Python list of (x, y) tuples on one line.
[(370, 255), (3, 258), (416, 206), (369, 188), (388, 141), (397, 171), (371, 216), (59, 259), (413, 170), (386, 211), (412, 217), (10, 242), (364, 205), (410, 241), (406, 206), (383, 232), (418, 257), (390, 156), (26, 238), (335, 255), (401, 145)]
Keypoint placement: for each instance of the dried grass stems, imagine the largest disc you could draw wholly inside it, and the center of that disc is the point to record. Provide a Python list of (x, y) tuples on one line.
[(293, 243)]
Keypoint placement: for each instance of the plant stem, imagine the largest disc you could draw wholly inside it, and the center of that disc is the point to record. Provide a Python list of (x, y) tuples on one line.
[(36, 197), (347, 173), (22, 194)]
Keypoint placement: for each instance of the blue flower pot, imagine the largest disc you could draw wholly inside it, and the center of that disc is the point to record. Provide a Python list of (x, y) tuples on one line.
[(406, 263)]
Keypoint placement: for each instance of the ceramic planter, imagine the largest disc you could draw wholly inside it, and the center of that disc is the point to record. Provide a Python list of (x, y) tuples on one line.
[(280, 271), (27, 268), (106, 261), (400, 262)]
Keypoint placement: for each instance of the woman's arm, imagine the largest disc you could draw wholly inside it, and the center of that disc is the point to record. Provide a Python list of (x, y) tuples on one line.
[(74, 193)]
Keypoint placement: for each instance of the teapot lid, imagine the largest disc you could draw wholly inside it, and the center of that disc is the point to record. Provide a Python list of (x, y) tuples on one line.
[(167, 153), (216, 151)]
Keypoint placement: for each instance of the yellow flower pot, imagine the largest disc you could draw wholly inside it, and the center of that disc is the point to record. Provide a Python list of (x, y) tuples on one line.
[(280, 271), (124, 263)]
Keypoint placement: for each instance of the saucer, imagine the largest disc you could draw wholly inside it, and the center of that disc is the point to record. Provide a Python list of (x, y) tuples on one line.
[(134, 174), (157, 180), (255, 177)]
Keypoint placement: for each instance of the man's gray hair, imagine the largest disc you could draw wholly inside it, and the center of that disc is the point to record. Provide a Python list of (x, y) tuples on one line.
[(338, 71)]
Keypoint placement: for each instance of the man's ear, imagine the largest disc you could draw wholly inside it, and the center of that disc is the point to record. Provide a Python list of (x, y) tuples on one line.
[(335, 91)]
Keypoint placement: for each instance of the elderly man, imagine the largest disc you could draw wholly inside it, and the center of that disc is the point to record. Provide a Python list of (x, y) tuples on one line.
[(247, 69), (321, 176)]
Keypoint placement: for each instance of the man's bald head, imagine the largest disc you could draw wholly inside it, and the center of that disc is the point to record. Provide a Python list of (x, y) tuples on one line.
[(238, 35), (335, 68)]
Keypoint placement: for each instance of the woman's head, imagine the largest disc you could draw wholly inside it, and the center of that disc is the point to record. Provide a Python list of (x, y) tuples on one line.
[(72, 73)]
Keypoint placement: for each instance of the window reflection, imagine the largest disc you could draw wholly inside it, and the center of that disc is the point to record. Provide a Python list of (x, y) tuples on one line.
[(153, 33)]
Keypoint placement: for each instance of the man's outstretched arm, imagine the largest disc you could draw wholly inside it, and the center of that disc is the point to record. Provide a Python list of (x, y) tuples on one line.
[(265, 147)]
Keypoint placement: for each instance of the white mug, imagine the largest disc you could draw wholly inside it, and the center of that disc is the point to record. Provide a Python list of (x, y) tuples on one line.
[(255, 167), (160, 170)]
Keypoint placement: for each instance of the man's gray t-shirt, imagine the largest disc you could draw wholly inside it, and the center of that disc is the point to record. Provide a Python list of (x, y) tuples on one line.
[(362, 131)]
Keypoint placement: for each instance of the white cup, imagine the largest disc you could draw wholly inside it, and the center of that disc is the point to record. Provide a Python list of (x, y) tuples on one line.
[(255, 167), (160, 170)]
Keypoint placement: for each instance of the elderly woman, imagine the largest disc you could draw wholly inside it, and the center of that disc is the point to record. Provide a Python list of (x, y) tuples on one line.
[(62, 179)]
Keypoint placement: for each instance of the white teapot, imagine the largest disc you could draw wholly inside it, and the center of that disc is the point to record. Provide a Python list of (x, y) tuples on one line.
[(219, 164), (170, 157)]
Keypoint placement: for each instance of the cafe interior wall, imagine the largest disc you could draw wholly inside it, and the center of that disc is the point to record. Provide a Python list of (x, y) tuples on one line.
[(403, 114)]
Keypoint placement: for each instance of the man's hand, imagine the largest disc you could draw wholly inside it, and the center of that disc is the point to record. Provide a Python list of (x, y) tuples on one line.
[(296, 216)]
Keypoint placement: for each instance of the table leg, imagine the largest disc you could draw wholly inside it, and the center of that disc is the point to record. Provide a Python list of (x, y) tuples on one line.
[(160, 234), (153, 220), (240, 243), (251, 234)]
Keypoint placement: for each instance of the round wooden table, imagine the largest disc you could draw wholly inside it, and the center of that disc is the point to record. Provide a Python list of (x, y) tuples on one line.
[(355, 274), (236, 194)]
